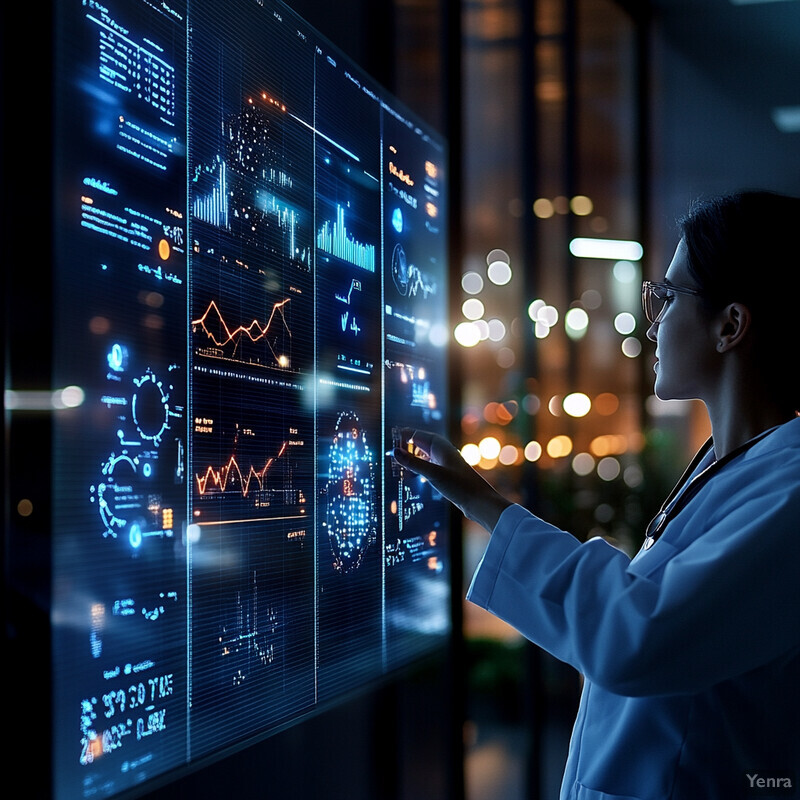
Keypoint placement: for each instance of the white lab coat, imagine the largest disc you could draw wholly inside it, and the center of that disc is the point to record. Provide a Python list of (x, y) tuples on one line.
[(690, 651)]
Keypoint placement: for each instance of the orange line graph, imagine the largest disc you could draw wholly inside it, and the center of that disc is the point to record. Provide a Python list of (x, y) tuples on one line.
[(255, 331), (225, 476)]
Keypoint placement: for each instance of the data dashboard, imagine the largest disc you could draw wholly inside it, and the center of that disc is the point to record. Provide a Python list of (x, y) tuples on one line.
[(250, 293)]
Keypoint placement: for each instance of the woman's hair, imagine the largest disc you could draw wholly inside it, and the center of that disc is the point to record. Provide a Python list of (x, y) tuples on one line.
[(745, 247)]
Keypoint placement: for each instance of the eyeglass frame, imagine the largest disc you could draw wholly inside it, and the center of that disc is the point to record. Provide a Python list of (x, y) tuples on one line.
[(647, 291)]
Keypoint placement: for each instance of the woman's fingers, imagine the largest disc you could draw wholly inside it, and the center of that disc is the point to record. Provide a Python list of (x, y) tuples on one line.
[(429, 446), (438, 461)]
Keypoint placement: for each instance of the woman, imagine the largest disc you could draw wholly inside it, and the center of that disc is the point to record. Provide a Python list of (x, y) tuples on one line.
[(691, 650)]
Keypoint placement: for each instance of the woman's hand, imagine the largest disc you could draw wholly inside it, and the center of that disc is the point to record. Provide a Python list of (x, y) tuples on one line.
[(437, 460)]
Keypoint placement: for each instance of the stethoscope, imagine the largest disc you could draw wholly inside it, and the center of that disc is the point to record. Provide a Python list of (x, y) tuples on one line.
[(680, 496)]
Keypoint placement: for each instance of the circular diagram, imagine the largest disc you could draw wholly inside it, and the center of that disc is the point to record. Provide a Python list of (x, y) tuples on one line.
[(351, 517)]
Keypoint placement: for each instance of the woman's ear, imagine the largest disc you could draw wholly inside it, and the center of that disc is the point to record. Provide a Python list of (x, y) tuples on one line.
[(734, 323)]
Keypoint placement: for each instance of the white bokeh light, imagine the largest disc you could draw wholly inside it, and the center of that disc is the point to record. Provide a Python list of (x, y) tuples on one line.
[(533, 451), (508, 455), (577, 404), (535, 307), (471, 454), (548, 315), (71, 396), (467, 334), (583, 464), (631, 347), (625, 323), (472, 308), (489, 447), (608, 468), (497, 330), (576, 323), (499, 273), (625, 272), (614, 249), (497, 254), (472, 283)]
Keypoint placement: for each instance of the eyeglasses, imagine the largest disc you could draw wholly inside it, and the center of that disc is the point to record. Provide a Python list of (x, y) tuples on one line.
[(656, 297)]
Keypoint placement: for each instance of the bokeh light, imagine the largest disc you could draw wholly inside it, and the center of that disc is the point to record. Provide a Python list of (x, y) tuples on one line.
[(606, 404), (472, 308), (497, 255), (559, 446), (543, 208), (507, 411), (583, 464), (576, 323), (625, 323), (555, 404), (604, 513), (471, 454), (497, 330), (608, 468), (548, 315), (531, 404), (561, 204), (577, 404), (633, 476), (533, 451), (499, 273), (592, 299), (631, 347), (24, 507), (625, 272), (489, 448), (472, 283), (535, 307), (613, 249), (581, 205), (505, 358), (609, 444), (69, 397), (467, 334), (509, 455)]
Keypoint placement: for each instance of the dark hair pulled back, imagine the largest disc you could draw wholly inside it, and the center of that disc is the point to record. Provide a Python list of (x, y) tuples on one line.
[(745, 247)]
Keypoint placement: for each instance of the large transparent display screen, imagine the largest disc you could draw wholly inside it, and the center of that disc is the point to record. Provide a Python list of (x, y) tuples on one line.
[(249, 281)]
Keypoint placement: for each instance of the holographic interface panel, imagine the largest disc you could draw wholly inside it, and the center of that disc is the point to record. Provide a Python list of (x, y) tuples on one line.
[(250, 289)]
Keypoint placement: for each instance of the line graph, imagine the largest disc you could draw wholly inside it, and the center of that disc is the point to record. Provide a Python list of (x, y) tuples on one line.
[(355, 285), (267, 344), (230, 476), (241, 469), (260, 487)]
